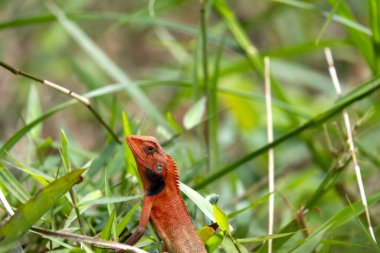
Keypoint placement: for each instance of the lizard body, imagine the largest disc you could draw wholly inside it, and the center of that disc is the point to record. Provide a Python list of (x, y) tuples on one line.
[(163, 204)]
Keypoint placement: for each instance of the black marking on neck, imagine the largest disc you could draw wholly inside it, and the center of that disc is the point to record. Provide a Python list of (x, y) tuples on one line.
[(156, 182)]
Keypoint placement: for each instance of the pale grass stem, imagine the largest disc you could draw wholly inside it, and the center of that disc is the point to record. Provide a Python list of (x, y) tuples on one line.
[(5, 203), (268, 101), (335, 80)]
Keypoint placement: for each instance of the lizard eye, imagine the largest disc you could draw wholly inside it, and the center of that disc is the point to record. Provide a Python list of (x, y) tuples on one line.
[(149, 150)]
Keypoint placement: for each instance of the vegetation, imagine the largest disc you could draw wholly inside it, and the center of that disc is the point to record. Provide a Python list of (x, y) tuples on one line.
[(192, 74)]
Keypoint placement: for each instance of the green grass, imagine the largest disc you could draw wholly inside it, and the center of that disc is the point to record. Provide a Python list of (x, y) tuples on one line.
[(195, 80)]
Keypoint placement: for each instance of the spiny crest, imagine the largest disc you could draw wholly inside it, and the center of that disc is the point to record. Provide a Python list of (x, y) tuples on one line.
[(174, 170)]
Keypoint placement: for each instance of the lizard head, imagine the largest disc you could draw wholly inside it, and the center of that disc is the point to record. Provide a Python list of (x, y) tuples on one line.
[(151, 160)]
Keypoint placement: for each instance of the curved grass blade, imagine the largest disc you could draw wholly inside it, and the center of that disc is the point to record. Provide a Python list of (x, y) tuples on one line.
[(83, 100), (111, 88), (21, 132), (7, 146), (123, 223), (336, 17), (194, 115), (198, 200), (374, 17), (339, 219), (10, 184), (264, 238), (39, 176), (109, 66), (107, 229), (359, 93), (222, 219), (108, 200), (29, 213), (362, 42)]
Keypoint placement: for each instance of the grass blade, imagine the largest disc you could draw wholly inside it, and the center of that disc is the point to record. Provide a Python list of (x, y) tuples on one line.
[(29, 213), (374, 17), (339, 219), (198, 200), (65, 151), (109, 66), (41, 177), (12, 185), (21, 132), (123, 223), (336, 17), (263, 238), (106, 232), (359, 93), (128, 156), (194, 115), (361, 41)]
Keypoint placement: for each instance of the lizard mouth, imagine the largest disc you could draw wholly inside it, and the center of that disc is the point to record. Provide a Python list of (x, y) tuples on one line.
[(133, 145), (131, 140)]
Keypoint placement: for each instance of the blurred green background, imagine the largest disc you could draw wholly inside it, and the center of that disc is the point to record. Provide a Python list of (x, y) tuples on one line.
[(146, 58)]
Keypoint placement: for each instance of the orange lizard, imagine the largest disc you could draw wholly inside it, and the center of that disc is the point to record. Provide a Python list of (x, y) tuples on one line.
[(162, 203)]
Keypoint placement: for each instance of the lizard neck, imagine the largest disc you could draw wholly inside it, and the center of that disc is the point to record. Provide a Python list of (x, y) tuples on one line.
[(155, 183)]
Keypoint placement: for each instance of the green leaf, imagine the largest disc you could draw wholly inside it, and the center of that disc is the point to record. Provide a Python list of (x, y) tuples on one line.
[(239, 34), (212, 110), (256, 203), (214, 242), (198, 200), (311, 242), (106, 231), (337, 18), (8, 145), (29, 213), (123, 223), (12, 185), (110, 205), (339, 219), (33, 112), (21, 132), (205, 233), (263, 238), (374, 17), (194, 115), (65, 151), (82, 208), (345, 243), (221, 219), (249, 49), (128, 156), (173, 123), (105, 201), (230, 246), (41, 177), (193, 170), (361, 41)]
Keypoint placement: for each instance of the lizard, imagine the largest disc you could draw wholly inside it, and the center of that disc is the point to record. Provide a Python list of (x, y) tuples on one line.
[(162, 204)]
